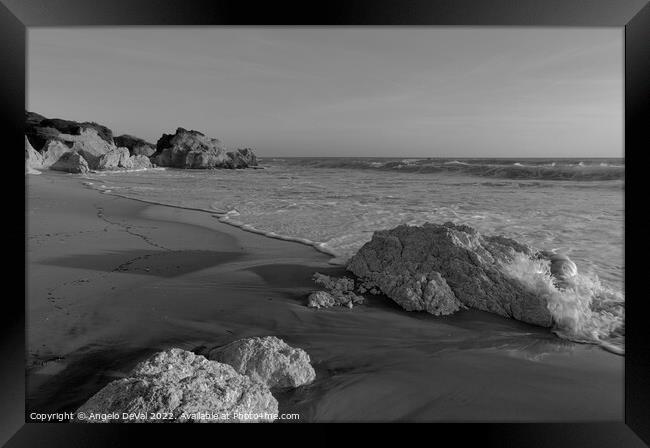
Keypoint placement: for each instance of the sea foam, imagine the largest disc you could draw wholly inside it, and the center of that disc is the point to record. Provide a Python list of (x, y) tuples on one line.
[(323, 203), (590, 170), (585, 311)]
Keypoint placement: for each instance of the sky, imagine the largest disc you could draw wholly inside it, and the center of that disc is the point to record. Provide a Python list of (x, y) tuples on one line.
[(343, 91)]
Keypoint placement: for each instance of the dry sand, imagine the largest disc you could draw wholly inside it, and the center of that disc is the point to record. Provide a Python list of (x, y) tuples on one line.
[(111, 281)]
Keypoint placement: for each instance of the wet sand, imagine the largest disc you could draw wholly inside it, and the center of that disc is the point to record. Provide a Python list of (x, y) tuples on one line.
[(113, 280)]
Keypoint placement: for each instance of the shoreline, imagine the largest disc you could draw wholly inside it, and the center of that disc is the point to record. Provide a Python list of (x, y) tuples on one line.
[(130, 278), (221, 217)]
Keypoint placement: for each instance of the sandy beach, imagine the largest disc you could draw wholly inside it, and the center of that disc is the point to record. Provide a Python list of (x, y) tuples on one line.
[(111, 281)]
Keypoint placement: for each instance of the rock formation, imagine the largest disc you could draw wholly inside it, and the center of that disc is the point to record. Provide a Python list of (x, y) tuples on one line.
[(40, 130), (179, 384), (52, 138), (33, 159), (268, 360), (340, 292), (90, 145), (87, 144), (192, 149), (189, 149), (119, 158), (113, 159), (138, 162), (243, 158), (135, 145), (48, 143), (53, 151), (442, 268), (71, 162)]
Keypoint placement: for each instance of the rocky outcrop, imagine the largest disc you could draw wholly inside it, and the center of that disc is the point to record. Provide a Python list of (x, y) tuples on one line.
[(138, 162), (268, 360), (33, 159), (114, 159), (192, 149), (443, 268), (71, 162), (189, 149), (55, 138), (40, 130), (135, 145), (119, 158), (90, 145), (181, 386), (243, 158), (53, 151), (339, 292), (95, 143)]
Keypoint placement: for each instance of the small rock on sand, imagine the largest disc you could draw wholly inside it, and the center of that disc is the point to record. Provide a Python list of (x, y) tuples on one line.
[(321, 299), (340, 292)]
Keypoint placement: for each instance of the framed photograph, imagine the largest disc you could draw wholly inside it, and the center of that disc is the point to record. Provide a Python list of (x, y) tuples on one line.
[(356, 212)]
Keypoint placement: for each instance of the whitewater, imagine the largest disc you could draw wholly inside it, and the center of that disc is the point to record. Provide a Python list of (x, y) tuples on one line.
[(574, 206)]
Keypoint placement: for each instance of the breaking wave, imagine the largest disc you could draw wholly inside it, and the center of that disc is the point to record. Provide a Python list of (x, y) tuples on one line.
[(586, 311), (560, 169), (336, 211)]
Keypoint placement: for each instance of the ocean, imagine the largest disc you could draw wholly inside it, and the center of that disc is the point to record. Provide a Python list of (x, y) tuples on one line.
[(335, 204)]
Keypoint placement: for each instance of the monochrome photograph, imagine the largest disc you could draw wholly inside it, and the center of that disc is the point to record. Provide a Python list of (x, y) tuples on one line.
[(324, 224)]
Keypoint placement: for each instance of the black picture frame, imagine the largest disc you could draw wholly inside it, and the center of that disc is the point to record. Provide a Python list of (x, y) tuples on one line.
[(633, 15)]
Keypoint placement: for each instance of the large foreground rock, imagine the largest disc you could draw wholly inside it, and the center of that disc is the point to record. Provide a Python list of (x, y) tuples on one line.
[(178, 383), (442, 268), (192, 149), (268, 360)]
